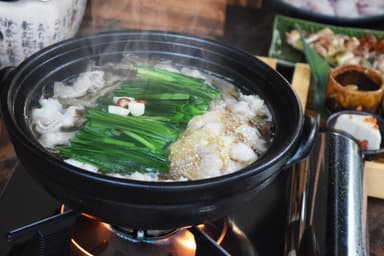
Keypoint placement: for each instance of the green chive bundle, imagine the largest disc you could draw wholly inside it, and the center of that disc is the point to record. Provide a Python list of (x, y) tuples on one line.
[(125, 144)]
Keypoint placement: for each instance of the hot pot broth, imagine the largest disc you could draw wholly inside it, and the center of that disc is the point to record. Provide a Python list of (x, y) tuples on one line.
[(151, 120)]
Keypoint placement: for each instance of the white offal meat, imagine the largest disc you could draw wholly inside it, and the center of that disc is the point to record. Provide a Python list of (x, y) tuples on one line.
[(52, 139), (47, 118), (242, 110), (220, 141), (242, 152), (252, 137), (91, 81), (51, 118), (211, 120), (211, 164), (256, 105)]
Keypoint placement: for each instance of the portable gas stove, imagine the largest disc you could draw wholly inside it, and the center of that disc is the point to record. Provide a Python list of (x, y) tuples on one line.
[(38, 225)]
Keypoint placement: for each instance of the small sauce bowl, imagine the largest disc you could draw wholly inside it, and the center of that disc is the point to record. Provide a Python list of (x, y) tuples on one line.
[(369, 154), (354, 87)]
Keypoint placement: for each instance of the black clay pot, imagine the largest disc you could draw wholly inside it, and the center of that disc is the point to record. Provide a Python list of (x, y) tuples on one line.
[(155, 205)]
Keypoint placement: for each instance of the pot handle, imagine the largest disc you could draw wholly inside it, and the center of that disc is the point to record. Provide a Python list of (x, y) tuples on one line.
[(307, 139)]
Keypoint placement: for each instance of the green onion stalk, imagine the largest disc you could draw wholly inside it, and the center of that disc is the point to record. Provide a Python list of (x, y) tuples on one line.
[(126, 144)]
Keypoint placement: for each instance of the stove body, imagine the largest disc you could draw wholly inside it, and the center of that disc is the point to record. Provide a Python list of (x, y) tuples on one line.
[(24, 203)]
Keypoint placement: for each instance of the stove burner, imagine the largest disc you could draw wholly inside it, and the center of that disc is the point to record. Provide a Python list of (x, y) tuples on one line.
[(92, 237), (142, 235)]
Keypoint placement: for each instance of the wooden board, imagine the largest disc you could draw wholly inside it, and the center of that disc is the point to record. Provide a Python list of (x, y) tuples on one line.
[(202, 18), (374, 179)]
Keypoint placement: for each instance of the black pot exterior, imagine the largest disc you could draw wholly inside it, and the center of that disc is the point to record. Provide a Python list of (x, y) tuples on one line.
[(155, 205)]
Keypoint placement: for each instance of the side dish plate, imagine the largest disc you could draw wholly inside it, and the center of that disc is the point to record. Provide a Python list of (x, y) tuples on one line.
[(287, 55)]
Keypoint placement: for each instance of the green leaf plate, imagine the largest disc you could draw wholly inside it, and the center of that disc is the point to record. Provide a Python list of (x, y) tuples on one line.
[(285, 54)]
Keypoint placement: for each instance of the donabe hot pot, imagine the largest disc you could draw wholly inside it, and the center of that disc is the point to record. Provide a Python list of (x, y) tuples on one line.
[(153, 205)]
